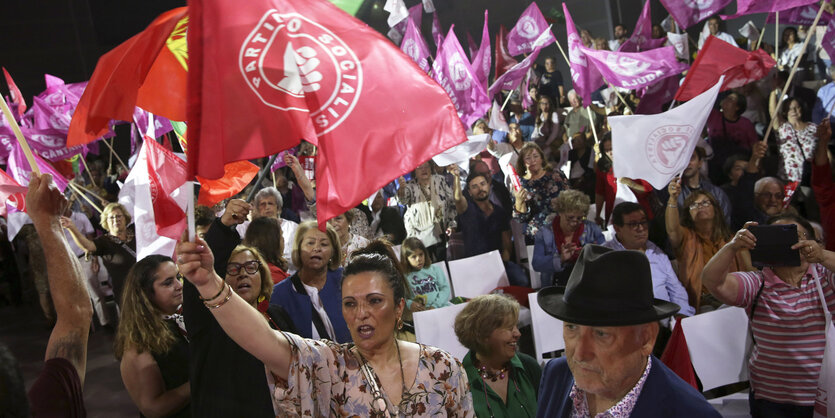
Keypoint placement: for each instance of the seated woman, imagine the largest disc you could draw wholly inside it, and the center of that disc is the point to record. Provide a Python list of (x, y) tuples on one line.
[(502, 381), (378, 376), (787, 302), (264, 234), (557, 247), (427, 281), (311, 295), (235, 383), (151, 343), (351, 242)]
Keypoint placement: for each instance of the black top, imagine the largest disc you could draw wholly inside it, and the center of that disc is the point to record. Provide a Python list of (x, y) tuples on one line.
[(118, 258), (173, 365), (222, 240)]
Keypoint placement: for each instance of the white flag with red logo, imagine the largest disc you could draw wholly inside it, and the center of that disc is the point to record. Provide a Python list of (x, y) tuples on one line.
[(656, 148)]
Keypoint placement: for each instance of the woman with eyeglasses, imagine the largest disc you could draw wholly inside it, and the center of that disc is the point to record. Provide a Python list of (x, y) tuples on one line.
[(151, 342), (787, 307), (117, 248), (225, 379), (696, 231), (557, 247), (504, 382)]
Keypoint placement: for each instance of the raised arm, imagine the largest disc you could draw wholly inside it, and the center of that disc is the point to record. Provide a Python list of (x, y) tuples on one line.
[(245, 325), (671, 215), (301, 179), (73, 310), (80, 239), (716, 275), (457, 195)]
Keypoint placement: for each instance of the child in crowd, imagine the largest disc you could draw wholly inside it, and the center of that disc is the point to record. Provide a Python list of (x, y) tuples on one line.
[(427, 282)]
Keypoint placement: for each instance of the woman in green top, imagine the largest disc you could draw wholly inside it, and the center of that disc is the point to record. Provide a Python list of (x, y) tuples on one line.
[(504, 383)]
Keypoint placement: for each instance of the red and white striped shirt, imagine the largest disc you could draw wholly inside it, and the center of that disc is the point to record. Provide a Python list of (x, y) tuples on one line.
[(788, 327)]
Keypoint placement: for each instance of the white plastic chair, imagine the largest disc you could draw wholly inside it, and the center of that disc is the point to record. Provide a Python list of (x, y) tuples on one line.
[(435, 327), (547, 330), (477, 275), (536, 277), (719, 343)]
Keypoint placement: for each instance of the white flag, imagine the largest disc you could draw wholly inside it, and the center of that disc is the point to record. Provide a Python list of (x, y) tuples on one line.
[(497, 121), (397, 11), (679, 42), (463, 151), (656, 148)]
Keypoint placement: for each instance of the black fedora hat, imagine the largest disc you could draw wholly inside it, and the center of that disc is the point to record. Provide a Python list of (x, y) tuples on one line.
[(607, 288)]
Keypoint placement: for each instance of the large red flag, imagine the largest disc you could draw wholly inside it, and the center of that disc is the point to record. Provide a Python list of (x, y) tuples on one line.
[(504, 61), (267, 75), (718, 58), (148, 70)]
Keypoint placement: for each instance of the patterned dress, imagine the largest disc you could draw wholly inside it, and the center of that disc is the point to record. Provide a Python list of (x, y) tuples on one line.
[(325, 379), (795, 148), (541, 192)]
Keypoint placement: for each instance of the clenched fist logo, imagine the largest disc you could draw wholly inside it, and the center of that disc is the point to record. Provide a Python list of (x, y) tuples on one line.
[(300, 73)]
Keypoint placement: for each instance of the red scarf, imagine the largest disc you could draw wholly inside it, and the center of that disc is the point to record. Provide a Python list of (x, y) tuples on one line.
[(559, 237)]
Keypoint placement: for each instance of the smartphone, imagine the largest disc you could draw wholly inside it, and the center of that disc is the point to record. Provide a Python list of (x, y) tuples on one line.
[(774, 244)]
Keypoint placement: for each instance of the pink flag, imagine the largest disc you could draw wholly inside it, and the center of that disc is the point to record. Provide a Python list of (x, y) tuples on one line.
[(51, 143), (437, 32), (497, 120), (689, 12), (481, 61), (656, 95), (828, 42), (747, 7), (17, 97), (514, 76), (415, 46), (416, 14), (454, 73), (11, 191), (634, 70), (528, 28), (20, 170), (48, 116), (641, 39), (585, 77), (803, 15)]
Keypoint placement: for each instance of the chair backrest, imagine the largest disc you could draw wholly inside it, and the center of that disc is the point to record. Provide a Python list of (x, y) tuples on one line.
[(719, 343), (442, 265), (547, 330), (435, 327), (536, 277), (477, 275)]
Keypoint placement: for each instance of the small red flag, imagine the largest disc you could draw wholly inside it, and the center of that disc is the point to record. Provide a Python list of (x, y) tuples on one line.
[(17, 97), (11, 191), (504, 61), (676, 356), (235, 178), (718, 58), (166, 173)]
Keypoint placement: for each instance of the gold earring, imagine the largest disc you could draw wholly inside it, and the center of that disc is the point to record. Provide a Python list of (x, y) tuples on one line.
[(399, 323)]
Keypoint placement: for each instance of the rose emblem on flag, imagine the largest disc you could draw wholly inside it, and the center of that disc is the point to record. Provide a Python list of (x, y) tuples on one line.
[(528, 27), (626, 66), (60, 121), (574, 54), (287, 57), (698, 4), (411, 49), (458, 73), (51, 141), (665, 145)]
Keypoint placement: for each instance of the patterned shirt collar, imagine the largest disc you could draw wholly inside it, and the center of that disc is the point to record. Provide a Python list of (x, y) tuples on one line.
[(621, 410)]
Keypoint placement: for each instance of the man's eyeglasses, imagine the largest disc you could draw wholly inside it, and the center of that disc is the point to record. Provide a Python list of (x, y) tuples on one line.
[(699, 205), (234, 269), (637, 225)]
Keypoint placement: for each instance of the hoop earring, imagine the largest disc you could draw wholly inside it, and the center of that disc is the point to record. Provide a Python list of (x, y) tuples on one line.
[(399, 324)]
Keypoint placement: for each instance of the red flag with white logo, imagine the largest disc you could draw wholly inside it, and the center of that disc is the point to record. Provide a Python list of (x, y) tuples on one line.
[(17, 97), (264, 76)]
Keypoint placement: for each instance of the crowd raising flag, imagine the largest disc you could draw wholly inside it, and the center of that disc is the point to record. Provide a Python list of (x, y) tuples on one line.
[(452, 70), (481, 59), (718, 58), (658, 147), (747, 7), (415, 46), (328, 75), (803, 15), (528, 28), (641, 39), (689, 12), (585, 76)]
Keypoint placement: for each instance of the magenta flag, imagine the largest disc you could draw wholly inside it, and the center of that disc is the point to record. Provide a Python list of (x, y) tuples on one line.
[(513, 77), (415, 46), (634, 70), (481, 61), (641, 39), (527, 29), (437, 32), (828, 42), (585, 77), (654, 97), (415, 13), (20, 170), (454, 73), (747, 7), (689, 12), (803, 15), (51, 116), (51, 144)]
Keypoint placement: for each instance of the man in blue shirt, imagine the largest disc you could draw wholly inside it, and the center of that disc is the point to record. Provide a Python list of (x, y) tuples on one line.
[(825, 100)]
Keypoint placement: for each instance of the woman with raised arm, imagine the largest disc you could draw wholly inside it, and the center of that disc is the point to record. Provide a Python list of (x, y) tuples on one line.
[(376, 376)]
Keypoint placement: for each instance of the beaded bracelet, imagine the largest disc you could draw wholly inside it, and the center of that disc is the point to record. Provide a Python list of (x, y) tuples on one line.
[(215, 296), (223, 302)]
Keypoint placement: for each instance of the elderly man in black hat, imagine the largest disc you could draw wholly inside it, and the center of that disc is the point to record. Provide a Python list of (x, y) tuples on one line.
[(610, 325)]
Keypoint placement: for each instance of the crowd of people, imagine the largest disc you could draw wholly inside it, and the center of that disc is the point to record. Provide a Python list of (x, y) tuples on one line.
[(266, 314)]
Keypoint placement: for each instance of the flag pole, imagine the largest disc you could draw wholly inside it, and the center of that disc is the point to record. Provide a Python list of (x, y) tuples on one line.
[(261, 175), (791, 76), (777, 36), (507, 99), (762, 32), (83, 196), (101, 199), (190, 225), (113, 153), (20, 139), (622, 100), (593, 129), (562, 51)]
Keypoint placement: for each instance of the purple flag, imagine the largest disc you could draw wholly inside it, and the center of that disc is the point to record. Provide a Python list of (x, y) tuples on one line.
[(584, 76), (656, 95), (513, 77), (416, 14), (162, 125), (51, 116), (803, 15), (641, 39), (828, 41), (20, 170), (437, 32), (689, 12), (528, 28), (453, 72), (7, 141), (634, 70), (415, 46), (51, 144), (481, 61), (747, 7)]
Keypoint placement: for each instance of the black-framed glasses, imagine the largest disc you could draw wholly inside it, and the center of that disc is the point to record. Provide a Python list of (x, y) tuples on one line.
[(637, 225), (234, 269)]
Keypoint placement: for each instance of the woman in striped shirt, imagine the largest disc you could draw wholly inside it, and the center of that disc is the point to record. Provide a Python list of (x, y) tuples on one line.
[(787, 318)]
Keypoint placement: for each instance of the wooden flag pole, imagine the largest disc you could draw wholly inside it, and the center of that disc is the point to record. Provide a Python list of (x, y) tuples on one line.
[(507, 99), (791, 76), (777, 36), (87, 168), (593, 129), (101, 199), (762, 32), (33, 165), (83, 196), (116, 155)]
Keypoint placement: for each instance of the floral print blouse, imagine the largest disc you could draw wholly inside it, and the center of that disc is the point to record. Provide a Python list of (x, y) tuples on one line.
[(541, 192), (325, 379), (792, 156)]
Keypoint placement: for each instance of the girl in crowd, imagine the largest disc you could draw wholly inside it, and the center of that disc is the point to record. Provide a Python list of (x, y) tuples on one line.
[(426, 280), (787, 307), (547, 129), (341, 224), (151, 342), (376, 376), (540, 185), (502, 381), (790, 50)]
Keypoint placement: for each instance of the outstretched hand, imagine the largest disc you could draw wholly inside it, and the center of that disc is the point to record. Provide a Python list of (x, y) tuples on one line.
[(44, 202), (196, 262)]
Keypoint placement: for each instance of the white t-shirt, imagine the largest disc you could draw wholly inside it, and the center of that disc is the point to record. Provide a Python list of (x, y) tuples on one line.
[(313, 293)]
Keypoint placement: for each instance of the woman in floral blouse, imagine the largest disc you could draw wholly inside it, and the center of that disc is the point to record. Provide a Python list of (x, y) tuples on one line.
[(796, 139), (540, 185), (376, 376)]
